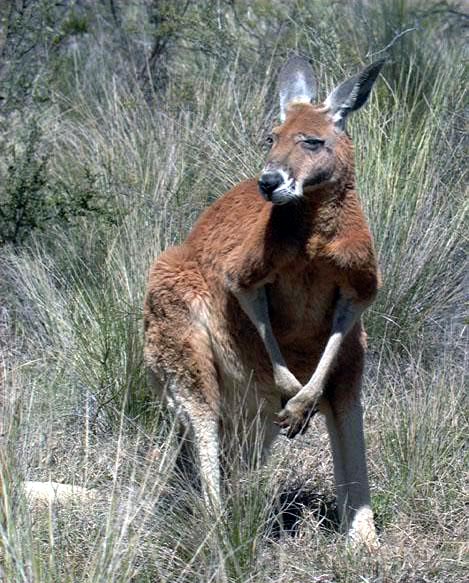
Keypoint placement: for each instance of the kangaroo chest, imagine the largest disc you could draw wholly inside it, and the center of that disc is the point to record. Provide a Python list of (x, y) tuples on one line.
[(301, 303)]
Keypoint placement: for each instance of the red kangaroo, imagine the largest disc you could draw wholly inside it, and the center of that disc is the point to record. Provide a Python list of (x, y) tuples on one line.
[(263, 301)]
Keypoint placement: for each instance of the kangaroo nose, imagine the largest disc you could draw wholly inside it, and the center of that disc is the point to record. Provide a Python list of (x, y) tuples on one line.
[(268, 182)]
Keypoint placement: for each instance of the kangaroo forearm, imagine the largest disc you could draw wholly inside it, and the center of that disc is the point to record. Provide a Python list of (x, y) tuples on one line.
[(346, 314), (255, 306)]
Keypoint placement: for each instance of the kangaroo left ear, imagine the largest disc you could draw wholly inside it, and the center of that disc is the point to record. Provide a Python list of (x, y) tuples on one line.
[(296, 84), (352, 94)]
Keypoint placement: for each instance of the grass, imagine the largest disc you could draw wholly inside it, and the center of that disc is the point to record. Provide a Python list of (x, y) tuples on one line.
[(76, 406)]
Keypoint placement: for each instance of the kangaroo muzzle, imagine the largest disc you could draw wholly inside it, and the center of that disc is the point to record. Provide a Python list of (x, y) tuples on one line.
[(277, 187), (269, 182)]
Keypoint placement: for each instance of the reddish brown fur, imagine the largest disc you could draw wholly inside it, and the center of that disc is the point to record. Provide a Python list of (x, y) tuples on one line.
[(201, 346), (261, 293), (305, 253)]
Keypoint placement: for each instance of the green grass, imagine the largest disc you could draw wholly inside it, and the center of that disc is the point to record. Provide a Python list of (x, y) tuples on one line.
[(76, 405)]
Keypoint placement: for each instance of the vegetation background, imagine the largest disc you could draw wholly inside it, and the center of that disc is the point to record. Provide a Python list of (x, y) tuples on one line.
[(120, 121)]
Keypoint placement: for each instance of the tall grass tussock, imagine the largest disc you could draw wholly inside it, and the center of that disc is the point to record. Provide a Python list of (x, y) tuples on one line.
[(120, 122)]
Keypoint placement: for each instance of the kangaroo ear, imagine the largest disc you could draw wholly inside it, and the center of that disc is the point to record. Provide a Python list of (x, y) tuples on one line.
[(296, 84), (353, 93)]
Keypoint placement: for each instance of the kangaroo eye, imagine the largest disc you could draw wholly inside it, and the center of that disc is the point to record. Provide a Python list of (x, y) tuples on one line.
[(312, 143), (269, 141)]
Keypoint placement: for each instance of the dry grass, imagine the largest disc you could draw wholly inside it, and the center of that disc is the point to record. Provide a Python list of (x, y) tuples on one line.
[(76, 408)]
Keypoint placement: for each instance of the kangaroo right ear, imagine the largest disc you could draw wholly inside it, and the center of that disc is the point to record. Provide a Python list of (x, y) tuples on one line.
[(353, 93), (296, 84)]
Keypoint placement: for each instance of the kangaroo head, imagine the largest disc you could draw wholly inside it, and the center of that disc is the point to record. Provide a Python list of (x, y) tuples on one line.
[(310, 148)]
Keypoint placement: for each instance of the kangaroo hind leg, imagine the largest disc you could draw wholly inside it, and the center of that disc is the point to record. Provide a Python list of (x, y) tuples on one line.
[(178, 351), (199, 437), (344, 418)]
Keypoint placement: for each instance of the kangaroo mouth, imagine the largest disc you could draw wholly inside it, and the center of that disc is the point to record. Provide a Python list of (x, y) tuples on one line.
[(287, 192), (282, 196)]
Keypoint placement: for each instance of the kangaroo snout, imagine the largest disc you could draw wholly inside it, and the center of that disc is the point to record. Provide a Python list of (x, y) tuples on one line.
[(269, 182)]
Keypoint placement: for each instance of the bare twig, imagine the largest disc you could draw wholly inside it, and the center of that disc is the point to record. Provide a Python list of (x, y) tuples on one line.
[(390, 44), (458, 13)]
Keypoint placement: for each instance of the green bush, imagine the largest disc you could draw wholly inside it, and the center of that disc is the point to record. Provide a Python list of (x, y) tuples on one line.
[(32, 200)]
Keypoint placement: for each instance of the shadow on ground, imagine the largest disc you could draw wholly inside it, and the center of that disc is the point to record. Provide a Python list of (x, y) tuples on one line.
[(293, 503)]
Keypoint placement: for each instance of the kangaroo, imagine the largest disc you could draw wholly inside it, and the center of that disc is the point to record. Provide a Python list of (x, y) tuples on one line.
[(264, 298)]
